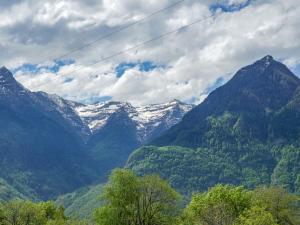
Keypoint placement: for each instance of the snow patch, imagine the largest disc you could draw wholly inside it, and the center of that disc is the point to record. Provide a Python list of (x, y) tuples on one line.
[(147, 118)]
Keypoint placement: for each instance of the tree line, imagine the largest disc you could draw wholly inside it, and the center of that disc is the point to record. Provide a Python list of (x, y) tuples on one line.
[(128, 199)]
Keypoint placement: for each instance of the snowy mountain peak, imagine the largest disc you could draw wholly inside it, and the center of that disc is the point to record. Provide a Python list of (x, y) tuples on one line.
[(6, 76), (149, 120), (4, 71), (263, 63), (87, 120), (267, 60), (53, 104), (95, 116), (8, 85)]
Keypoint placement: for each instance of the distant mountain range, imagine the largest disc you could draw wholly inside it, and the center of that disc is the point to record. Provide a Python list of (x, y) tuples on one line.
[(149, 121), (50, 145), (247, 132)]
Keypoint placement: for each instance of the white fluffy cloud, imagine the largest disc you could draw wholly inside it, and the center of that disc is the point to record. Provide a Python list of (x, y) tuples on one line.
[(35, 32)]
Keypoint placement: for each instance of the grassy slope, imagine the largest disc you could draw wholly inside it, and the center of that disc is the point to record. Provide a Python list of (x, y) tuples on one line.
[(81, 203)]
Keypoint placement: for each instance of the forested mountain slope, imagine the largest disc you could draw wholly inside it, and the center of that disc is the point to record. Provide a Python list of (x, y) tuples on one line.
[(246, 132)]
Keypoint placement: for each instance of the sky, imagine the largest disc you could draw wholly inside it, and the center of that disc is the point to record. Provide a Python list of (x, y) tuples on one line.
[(38, 39)]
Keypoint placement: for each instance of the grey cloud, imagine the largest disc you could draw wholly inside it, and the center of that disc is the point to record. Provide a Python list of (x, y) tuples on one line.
[(194, 58)]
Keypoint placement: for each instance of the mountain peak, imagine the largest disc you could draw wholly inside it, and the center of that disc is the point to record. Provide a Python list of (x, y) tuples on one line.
[(6, 77), (8, 84), (267, 58), (3, 68), (266, 61), (268, 81), (262, 64), (5, 73), (256, 92)]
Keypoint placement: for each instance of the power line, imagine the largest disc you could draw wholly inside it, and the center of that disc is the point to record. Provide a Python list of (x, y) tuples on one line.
[(120, 30), (144, 43)]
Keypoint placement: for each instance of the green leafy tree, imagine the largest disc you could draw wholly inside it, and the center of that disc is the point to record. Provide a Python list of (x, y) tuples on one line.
[(132, 200), (19, 212), (221, 205), (256, 216), (282, 205)]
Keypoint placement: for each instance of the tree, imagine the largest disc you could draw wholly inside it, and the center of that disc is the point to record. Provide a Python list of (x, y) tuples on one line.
[(256, 216), (19, 212), (283, 206), (221, 205), (132, 200)]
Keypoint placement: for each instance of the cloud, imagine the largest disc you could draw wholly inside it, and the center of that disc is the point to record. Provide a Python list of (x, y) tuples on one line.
[(34, 33)]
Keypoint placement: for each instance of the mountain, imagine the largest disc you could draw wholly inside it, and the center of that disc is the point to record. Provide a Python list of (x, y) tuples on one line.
[(117, 128), (245, 132), (37, 143), (149, 121), (254, 95), (50, 145)]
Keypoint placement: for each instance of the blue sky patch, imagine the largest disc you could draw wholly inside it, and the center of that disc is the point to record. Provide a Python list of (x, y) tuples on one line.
[(296, 70), (218, 83), (145, 66), (225, 7), (35, 68), (192, 100)]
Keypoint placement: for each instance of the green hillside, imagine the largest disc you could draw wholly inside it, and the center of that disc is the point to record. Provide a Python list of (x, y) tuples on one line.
[(81, 203), (246, 132)]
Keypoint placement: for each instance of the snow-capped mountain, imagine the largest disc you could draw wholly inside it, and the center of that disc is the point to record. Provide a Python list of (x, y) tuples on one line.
[(64, 144), (86, 120), (150, 121), (56, 105), (8, 85)]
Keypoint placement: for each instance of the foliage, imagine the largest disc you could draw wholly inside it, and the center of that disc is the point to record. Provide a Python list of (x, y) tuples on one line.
[(228, 205), (27, 213), (20, 212), (283, 206), (287, 171), (256, 216), (220, 205), (132, 200)]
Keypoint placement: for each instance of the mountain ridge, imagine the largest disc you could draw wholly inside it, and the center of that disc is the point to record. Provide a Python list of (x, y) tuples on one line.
[(153, 115), (48, 148), (248, 90), (246, 132)]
